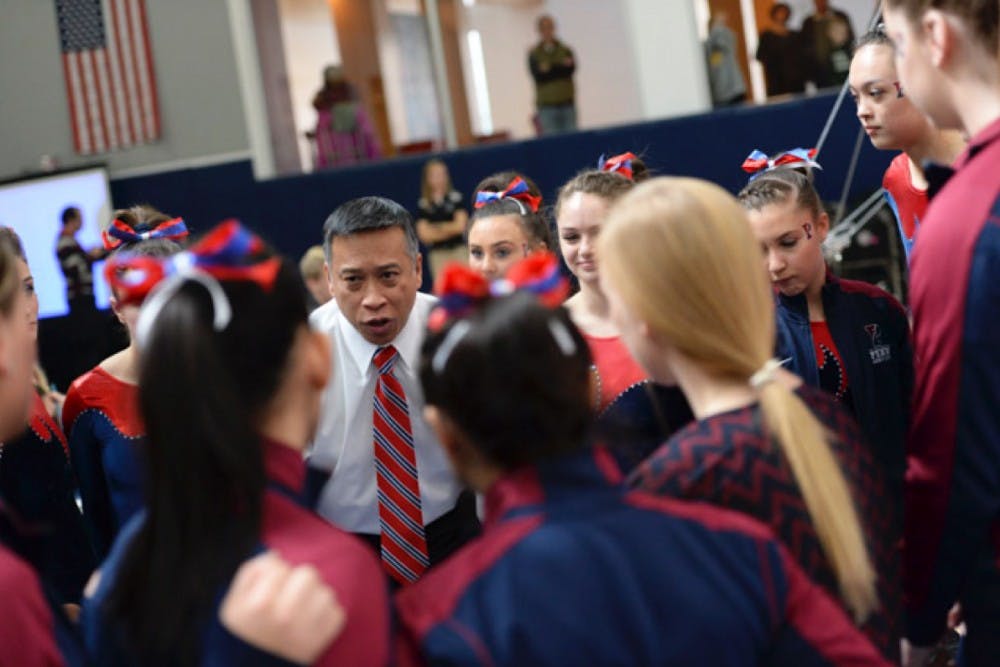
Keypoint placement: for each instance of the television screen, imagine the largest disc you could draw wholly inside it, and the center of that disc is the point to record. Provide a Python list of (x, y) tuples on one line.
[(33, 208)]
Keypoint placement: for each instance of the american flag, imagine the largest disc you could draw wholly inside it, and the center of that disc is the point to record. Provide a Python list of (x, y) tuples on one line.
[(108, 67)]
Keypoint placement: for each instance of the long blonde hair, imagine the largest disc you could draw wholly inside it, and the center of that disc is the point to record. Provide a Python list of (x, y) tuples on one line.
[(681, 254)]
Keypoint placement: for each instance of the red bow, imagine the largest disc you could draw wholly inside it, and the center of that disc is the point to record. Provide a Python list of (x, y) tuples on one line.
[(516, 189), (228, 252), (621, 164), (757, 161), (462, 290), (118, 233)]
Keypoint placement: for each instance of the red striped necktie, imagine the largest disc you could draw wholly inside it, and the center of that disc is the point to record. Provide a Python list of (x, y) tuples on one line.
[(404, 546)]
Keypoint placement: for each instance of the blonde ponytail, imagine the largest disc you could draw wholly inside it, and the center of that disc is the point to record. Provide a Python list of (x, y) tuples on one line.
[(680, 254), (804, 443)]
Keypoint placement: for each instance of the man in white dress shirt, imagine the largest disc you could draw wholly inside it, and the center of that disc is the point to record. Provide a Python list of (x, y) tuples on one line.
[(376, 322)]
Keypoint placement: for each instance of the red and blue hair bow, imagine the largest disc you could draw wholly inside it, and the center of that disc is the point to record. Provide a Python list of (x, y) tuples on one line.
[(758, 163), (228, 252), (621, 164), (462, 290), (118, 233), (517, 190)]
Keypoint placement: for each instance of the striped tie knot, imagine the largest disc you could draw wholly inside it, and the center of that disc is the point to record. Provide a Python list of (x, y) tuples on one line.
[(385, 358)]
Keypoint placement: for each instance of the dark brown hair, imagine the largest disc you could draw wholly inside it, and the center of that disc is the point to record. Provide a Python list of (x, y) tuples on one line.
[(604, 184), (777, 187)]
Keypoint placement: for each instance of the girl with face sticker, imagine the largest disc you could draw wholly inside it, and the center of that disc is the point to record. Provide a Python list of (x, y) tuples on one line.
[(36, 481), (948, 60), (506, 225), (846, 337), (893, 122), (101, 414), (570, 568)]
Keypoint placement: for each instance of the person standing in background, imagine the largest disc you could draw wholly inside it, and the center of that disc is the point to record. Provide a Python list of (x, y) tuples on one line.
[(779, 52), (725, 79), (441, 217), (85, 326), (344, 134), (311, 266), (552, 65), (824, 42), (76, 263)]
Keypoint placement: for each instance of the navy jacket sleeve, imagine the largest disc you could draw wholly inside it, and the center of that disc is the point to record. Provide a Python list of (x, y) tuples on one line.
[(87, 453)]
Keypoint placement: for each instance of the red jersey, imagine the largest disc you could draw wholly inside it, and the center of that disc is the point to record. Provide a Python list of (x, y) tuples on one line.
[(616, 369), (908, 202)]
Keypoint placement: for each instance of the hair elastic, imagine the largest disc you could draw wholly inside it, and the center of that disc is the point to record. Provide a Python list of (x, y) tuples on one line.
[(767, 373)]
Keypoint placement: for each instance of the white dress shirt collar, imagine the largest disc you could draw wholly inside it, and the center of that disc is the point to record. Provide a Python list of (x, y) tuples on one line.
[(407, 343)]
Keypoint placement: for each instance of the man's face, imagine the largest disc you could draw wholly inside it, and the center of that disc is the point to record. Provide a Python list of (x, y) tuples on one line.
[(374, 281), (547, 29)]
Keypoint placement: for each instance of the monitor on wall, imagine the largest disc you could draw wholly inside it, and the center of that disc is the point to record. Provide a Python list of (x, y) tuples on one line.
[(33, 207)]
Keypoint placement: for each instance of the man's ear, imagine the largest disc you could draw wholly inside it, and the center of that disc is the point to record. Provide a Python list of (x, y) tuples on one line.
[(329, 276)]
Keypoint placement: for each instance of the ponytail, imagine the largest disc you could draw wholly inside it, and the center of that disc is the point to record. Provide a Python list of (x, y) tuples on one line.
[(804, 444), (201, 393), (681, 254)]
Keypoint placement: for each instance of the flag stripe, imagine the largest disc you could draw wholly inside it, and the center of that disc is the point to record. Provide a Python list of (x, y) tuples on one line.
[(134, 100), (104, 143), (150, 78), (72, 101), (108, 95), (118, 60), (81, 77)]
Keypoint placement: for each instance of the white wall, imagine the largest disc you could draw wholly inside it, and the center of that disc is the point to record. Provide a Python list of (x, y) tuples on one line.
[(310, 44), (860, 12), (636, 59), (667, 56), (507, 34), (607, 88), (196, 77)]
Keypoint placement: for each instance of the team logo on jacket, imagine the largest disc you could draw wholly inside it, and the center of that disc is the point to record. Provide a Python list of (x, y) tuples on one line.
[(878, 352)]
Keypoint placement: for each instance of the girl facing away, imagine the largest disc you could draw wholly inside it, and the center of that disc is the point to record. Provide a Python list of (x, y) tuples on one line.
[(101, 414), (684, 277), (572, 568), (231, 378)]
